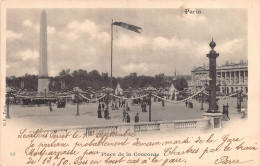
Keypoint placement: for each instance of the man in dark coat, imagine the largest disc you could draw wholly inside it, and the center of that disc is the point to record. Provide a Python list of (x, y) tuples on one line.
[(124, 115), (136, 118), (127, 118), (144, 107), (103, 106), (163, 103), (50, 106), (106, 113), (227, 113), (99, 111)]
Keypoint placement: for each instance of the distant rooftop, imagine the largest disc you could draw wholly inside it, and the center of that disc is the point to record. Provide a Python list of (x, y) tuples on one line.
[(226, 65)]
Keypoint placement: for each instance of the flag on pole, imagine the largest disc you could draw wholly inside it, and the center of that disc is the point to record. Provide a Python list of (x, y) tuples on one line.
[(128, 26)]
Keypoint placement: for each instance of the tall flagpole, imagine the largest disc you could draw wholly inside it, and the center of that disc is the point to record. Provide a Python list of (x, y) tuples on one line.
[(111, 53)]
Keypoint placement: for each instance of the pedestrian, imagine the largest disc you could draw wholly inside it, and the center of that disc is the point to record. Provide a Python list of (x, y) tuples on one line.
[(50, 106), (142, 107), (227, 106), (127, 108), (124, 115), (106, 113), (136, 118), (99, 106), (186, 103), (112, 105), (127, 118), (103, 106), (228, 113), (243, 112), (99, 111), (162, 103)]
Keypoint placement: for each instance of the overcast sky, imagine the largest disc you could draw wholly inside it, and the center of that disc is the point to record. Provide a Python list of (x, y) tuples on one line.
[(80, 38)]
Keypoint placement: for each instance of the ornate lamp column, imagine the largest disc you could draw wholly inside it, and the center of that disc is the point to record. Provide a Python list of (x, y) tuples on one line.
[(212, 113), (212, 74), (7, 105), (76, 91)]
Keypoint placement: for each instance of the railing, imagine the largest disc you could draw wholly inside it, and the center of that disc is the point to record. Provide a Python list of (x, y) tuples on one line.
[(104, 129), (185, 124), (146, 127), (198, 124)]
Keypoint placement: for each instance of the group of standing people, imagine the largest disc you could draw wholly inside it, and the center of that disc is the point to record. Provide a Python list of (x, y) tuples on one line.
[(189, 104), (126, 117), (114, 106), (102, 108), (122, 103)]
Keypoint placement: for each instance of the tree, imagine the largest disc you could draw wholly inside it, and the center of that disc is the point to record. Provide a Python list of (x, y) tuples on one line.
[(64, 73), (79, 73), (180, 83)]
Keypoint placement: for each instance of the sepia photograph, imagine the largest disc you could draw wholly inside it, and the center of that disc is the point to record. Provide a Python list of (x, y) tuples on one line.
[(108, 67), (100, 83)]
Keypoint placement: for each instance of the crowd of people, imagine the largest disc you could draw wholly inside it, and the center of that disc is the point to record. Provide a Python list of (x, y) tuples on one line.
[(115, 105), (122, 103)]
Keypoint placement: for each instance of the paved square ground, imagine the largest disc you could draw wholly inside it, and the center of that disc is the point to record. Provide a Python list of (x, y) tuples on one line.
[(36, 117)]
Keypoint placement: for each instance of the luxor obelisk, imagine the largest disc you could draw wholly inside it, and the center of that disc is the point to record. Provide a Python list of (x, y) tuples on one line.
[(43, 77)]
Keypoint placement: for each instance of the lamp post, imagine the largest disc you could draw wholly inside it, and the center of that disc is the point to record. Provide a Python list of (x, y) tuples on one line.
[(77, 90), (215, 117), (202, 100), (150, 104), (212, 74), (7, 105), (107, 100)]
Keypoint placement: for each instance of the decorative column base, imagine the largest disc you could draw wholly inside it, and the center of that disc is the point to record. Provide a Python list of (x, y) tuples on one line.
[(215, 120)]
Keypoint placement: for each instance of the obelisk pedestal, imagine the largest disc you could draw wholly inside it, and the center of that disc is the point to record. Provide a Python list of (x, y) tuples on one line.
[(43, 78)]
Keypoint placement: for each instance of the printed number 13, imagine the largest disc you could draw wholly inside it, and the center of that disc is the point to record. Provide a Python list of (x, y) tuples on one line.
[(12, 154)]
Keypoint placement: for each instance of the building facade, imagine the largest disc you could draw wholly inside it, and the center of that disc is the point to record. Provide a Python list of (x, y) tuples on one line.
[(230, 78)]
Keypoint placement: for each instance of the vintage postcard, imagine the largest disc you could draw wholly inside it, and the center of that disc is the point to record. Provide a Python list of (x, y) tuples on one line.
[(130, 83)]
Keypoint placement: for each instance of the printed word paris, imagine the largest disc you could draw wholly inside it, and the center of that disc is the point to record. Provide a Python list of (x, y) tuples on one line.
[(192, 11)]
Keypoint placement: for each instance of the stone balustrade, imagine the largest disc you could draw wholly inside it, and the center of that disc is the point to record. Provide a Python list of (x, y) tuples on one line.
[(200, 124), (146, 127), (168, 126)]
